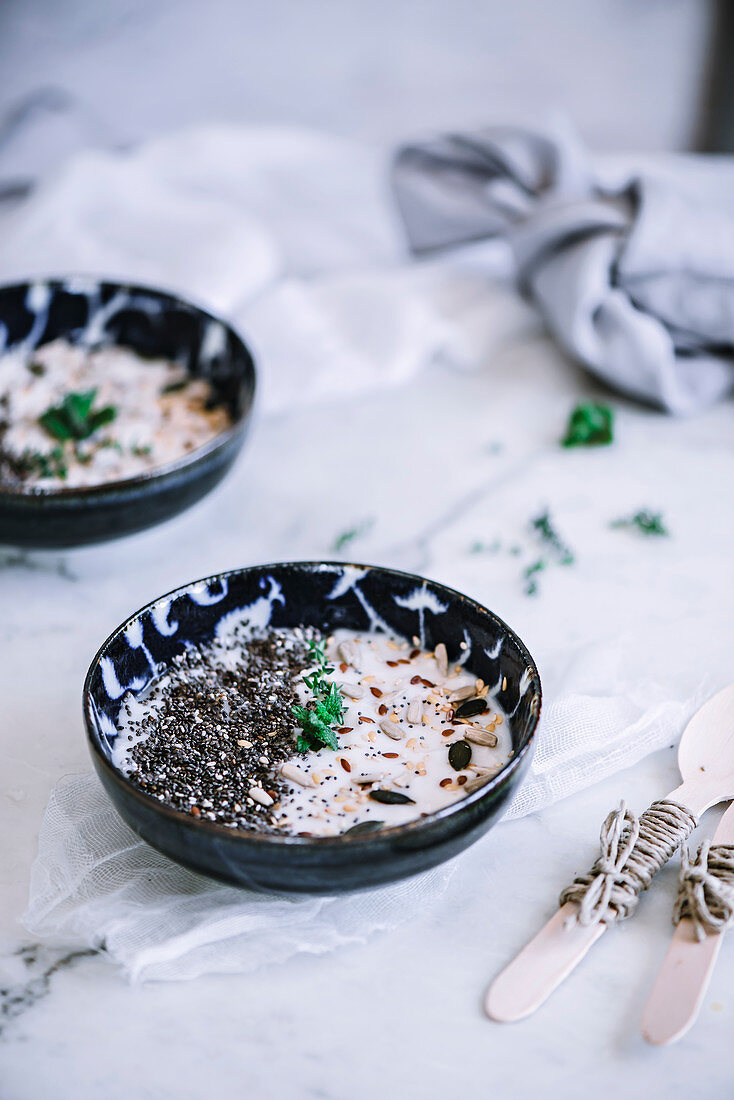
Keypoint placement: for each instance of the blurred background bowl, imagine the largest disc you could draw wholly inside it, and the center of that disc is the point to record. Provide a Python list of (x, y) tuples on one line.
[(152, 323)]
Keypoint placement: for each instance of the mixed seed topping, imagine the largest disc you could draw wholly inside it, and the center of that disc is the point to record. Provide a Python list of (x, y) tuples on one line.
[(245, 732)]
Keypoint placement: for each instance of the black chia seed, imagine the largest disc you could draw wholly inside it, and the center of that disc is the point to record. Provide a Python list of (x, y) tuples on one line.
[(192, 757)]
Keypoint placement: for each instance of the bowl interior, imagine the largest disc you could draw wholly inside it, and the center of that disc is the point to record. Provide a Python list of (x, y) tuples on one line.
[(323, 595), (150, 322)]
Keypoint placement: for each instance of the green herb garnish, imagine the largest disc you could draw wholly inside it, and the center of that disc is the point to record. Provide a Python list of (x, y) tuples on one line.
[(480, 547), (645, 521), (556, 551), (544, 527), (52, 464), (529, 575), (590, 425), (325, 712), (351, 534), (74, 418)]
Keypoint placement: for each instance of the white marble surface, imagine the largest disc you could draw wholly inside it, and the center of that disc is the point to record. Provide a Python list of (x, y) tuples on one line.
[(451, 459)]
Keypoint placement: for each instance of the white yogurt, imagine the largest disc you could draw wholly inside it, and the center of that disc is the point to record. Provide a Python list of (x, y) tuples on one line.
[(151, 428), (415, 765)]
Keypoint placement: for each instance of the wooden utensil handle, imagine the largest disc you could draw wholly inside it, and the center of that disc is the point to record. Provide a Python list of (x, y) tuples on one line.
[(676, 997), (620, 873)]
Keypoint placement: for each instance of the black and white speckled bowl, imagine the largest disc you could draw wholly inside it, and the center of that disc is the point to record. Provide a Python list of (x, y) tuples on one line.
[(326, 596), (152, 323)]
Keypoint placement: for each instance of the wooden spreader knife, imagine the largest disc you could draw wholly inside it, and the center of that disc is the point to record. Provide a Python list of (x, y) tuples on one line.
[(681, 985)]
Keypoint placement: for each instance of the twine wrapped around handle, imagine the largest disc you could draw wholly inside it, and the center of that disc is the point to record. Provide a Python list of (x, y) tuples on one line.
[(632, 852), (706, 889)]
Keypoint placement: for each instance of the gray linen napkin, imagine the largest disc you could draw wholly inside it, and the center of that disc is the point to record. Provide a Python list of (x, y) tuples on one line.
[(637, 282)]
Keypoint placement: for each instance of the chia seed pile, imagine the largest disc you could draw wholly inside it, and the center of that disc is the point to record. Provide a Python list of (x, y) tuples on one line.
[(220, 727)]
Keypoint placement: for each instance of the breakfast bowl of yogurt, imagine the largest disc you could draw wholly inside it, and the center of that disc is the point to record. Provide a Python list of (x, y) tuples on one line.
[(119, 407), (311, 727)]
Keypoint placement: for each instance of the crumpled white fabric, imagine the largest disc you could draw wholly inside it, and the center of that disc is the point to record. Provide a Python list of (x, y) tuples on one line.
[(289, 234), (96, 883)]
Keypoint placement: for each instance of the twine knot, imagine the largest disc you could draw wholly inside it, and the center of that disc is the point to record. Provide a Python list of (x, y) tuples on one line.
[(631, 853), (706, 889)]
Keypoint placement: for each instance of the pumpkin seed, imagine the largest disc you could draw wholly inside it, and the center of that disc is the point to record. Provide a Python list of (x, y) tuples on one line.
[(470, 708), (459, 755), (363, 827), (390, 797)]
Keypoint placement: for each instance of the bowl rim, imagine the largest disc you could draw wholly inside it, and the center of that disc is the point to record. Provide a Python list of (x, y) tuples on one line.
[(289, 839), (81, 493)]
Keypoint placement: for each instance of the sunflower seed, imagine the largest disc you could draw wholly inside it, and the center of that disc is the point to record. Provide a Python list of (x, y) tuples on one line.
[(475, 784), (415, 712), (478, 736), (485, 772), (391, 729), (459, 755), (354, 691), (442, 659), (295, 775), (467, 692), (348, 652), (260, 796)]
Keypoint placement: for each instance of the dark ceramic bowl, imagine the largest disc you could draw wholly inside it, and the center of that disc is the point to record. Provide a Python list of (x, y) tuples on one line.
[(151, 323), (326, 596)]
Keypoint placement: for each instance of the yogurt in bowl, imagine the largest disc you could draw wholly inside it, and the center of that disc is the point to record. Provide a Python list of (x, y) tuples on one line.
[(311, 726)]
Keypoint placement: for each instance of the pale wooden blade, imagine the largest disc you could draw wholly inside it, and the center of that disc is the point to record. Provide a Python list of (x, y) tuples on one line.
[(540, 967), (681, 985)]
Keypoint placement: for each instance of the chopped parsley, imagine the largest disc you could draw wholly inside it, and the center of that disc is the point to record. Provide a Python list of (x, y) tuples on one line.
[(480, 547), (543, 526), (352, 533), (645, 521), (325, 711), (52, 464), (556, 551), (529, 576), (75, 418), (589, 425)]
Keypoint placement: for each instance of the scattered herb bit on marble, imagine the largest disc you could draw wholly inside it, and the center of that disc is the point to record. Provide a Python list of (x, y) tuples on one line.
[(645, 521), (589, 425), (479, 547), (323, 715), (557, 551), (543, 526), (352, 533), (529, 576), (75, 418)]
